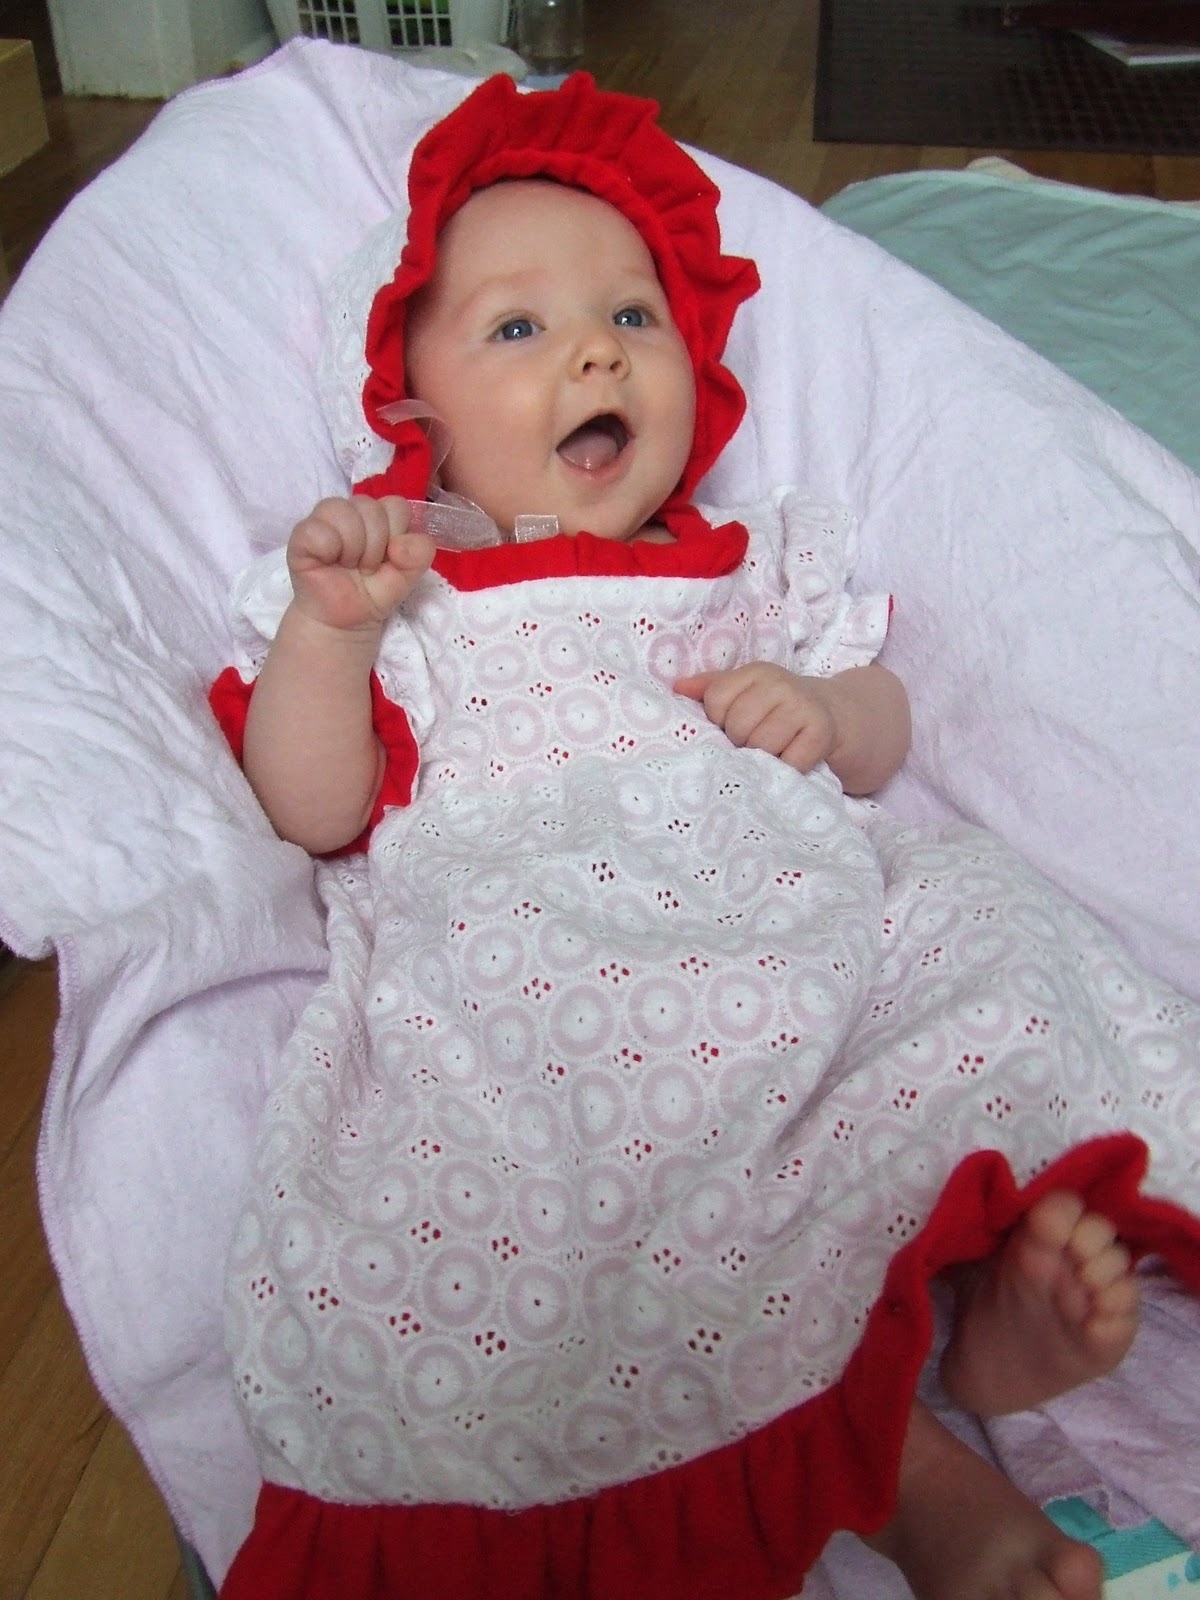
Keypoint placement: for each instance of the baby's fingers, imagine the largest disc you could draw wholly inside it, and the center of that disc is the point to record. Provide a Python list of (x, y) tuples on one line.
[(408, 556), (761, 707), (694, 686), (744, 701), (716, 691), (383, 523), (756, 720), (396, 513), (321, 538), (407, 552), (355, 533), (807, 748)]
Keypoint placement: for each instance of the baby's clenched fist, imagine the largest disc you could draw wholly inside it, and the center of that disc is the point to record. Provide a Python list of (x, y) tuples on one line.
[(353, 561)]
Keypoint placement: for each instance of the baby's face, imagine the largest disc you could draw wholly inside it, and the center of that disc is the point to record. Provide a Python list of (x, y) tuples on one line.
[(545, 342)]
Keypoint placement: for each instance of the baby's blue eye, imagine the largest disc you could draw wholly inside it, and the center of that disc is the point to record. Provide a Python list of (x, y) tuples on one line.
[(631, 317), (516, 328)]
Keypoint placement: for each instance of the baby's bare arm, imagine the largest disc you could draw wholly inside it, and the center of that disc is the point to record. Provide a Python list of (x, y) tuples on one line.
[(857, 721), (311, 753)]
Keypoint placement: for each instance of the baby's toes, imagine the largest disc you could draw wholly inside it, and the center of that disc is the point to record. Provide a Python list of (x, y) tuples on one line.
[(1111, 1323), (1052, 1222), (1107, 1267), (1118, 1303), (1090, 1238)]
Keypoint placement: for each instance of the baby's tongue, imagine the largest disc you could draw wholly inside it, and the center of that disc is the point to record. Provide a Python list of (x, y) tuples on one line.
[(590, 446)]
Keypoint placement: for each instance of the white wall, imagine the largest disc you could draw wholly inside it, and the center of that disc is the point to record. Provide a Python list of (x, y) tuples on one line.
[(150, 49)]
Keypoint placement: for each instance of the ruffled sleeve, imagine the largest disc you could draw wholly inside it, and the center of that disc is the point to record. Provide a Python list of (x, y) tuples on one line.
[(831, 629), (260, 597)]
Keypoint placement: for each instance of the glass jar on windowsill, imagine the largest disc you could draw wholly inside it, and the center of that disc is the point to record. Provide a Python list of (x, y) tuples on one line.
[(550, 37)]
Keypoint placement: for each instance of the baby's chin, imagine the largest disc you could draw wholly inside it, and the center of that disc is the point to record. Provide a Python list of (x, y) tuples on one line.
[(650, 533), (600, 527), (603, 518)]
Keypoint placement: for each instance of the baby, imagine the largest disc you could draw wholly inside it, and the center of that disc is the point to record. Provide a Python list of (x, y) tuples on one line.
[(546, 344), (556, 342)]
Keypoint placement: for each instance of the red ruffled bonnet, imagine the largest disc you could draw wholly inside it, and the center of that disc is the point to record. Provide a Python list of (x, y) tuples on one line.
[(610, 145)]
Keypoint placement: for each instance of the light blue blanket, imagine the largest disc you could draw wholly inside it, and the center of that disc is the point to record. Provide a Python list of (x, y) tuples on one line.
[(1105, 286)]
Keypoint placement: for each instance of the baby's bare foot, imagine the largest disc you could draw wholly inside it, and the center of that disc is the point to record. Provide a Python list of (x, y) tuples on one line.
[(1055, 1307), (963, 1532)]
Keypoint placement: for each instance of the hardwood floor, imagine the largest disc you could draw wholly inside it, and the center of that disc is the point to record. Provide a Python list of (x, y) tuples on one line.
[(79, 1519), (738, 80), (85, 136)]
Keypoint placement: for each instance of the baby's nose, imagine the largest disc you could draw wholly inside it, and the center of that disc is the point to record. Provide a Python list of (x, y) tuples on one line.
[(600, 348)]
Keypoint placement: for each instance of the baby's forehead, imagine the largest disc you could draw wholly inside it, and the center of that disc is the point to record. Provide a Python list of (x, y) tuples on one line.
[(539, 196), (522, 211)]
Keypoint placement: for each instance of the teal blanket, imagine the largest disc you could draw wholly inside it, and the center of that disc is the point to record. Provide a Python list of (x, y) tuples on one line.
[(1105, 286)]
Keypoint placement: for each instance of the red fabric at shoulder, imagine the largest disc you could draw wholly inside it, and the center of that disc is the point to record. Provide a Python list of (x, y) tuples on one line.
[(403, 758), (230, 698)]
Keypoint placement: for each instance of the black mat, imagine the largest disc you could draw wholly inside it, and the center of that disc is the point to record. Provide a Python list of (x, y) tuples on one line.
[(946, 72)]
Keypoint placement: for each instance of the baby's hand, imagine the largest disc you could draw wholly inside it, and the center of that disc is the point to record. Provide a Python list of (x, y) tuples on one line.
[(352, 562), (765, 707)]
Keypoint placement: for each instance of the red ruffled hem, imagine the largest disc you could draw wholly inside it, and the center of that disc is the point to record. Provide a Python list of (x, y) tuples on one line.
[(748, 1520)]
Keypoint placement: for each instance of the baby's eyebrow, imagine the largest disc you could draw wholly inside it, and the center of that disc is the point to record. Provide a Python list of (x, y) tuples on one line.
[(514, 293), (513, 286), (485, 307), (645, 283)]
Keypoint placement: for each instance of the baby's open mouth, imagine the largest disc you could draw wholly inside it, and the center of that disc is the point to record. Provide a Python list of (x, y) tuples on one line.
[(596, 442)]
